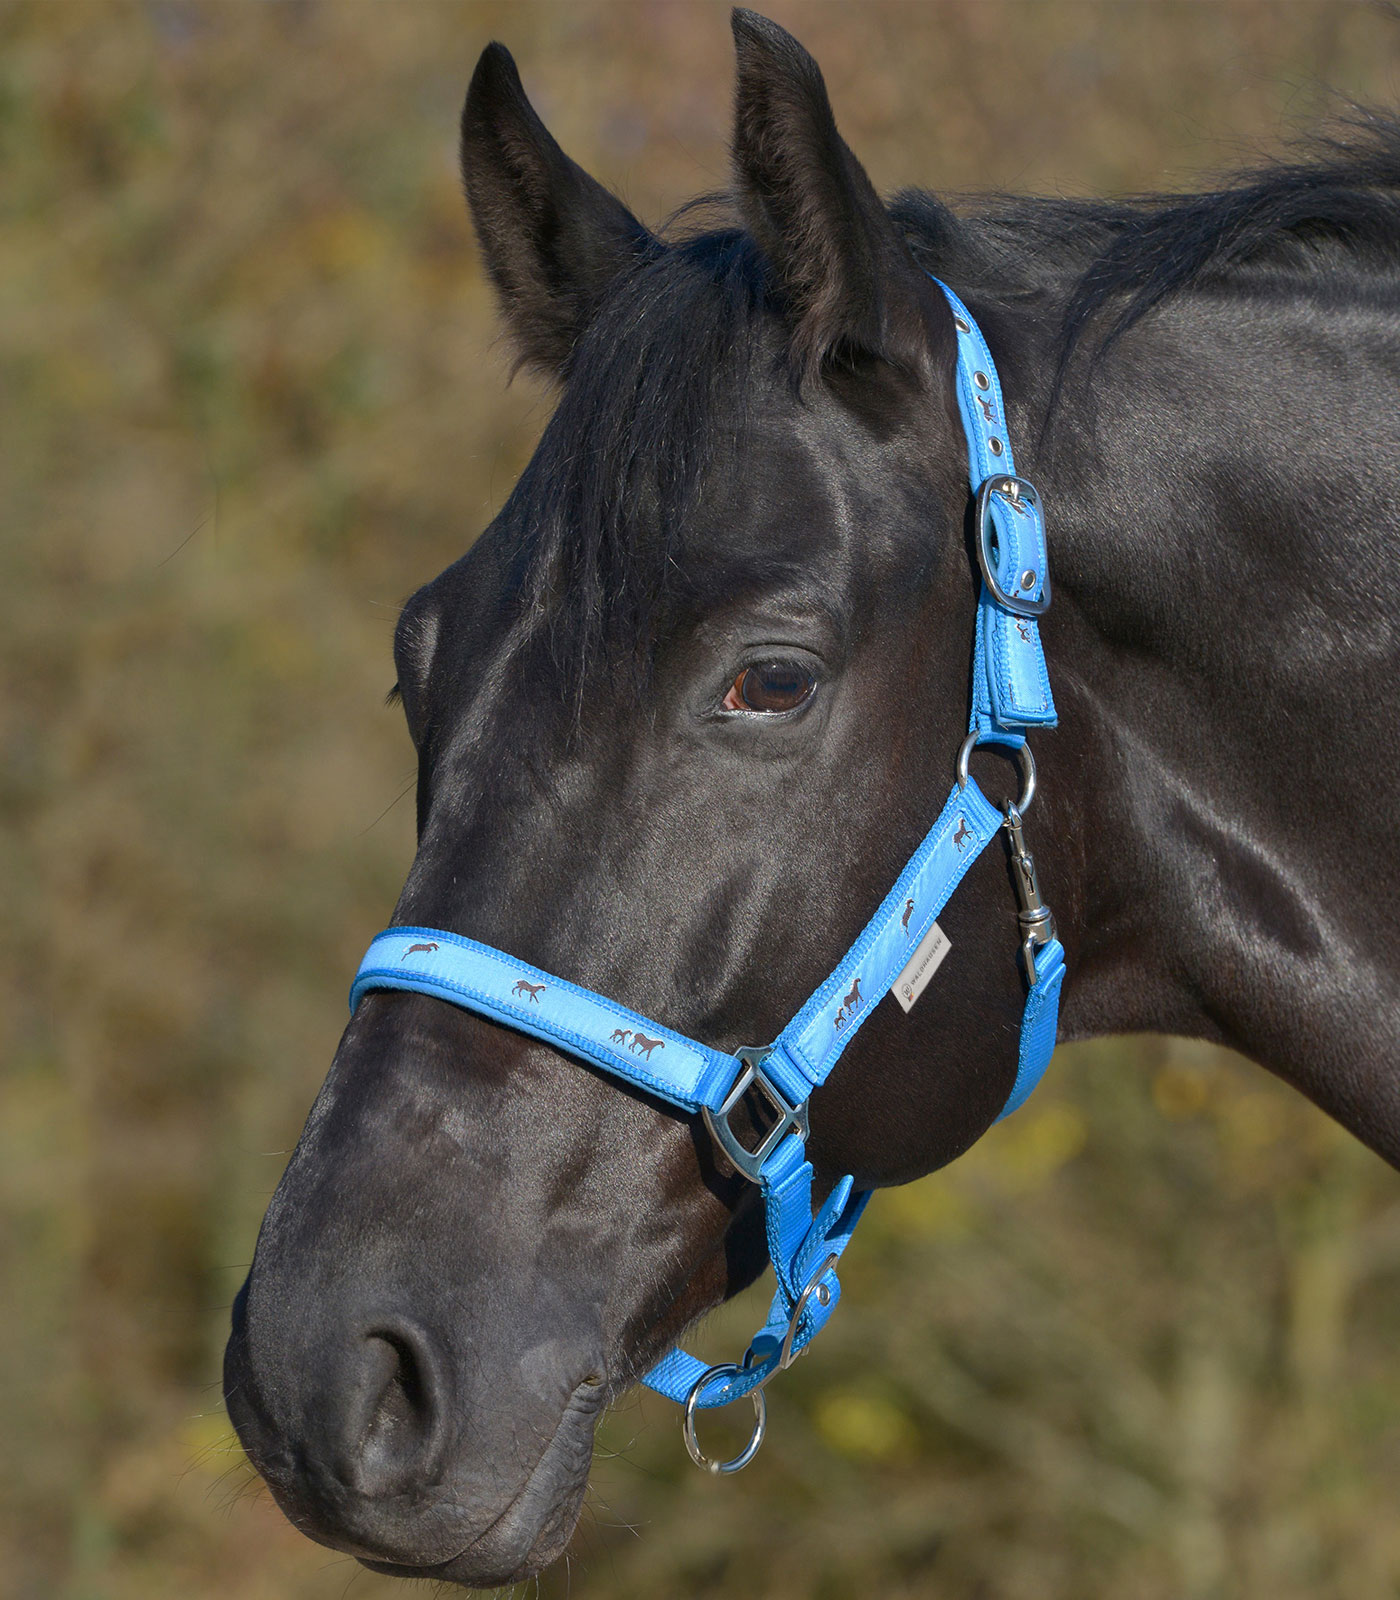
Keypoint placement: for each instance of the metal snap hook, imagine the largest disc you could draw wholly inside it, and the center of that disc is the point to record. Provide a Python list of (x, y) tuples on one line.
[(726, 1369), (1025, 760), (1037, 923)]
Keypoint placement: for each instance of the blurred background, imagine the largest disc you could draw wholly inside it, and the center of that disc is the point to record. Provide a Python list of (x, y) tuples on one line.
[(1141, 1342)]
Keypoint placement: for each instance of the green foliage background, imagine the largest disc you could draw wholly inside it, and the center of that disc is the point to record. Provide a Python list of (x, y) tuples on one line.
[(1141, 1342)]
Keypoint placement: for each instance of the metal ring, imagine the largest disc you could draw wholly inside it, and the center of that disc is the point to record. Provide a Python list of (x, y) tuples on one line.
[(1023, 756), (692, 1444)]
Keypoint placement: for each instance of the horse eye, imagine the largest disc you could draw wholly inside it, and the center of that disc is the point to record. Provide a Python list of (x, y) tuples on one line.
[(774, 686)]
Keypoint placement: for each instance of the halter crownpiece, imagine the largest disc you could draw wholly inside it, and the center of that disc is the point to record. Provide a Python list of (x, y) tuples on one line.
[(1010, 693)]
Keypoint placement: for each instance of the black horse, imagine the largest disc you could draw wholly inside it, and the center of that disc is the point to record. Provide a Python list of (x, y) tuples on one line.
[(688, 704)]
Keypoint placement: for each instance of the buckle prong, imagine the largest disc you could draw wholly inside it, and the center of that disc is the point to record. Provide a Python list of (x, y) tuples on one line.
[(816, 1287)]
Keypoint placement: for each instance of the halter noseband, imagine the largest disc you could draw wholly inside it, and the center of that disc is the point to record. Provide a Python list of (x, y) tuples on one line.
[(895, 952)]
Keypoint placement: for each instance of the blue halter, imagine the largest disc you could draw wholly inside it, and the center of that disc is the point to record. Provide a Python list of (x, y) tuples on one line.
[(1011, 692)]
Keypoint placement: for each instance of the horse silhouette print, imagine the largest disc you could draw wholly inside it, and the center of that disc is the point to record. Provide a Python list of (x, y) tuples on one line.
[(908, 912), (414, 948), (621, 1035), (534, 990), (641, 1045), (963, 834)]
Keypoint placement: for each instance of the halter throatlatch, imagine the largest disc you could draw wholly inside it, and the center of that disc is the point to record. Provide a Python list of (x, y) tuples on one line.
[(1010, 693)]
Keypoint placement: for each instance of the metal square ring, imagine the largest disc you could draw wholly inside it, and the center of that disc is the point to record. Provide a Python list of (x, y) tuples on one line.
[(791, 1118)]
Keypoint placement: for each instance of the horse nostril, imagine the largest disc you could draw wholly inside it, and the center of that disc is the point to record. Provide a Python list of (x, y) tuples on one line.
[(405, 1414)]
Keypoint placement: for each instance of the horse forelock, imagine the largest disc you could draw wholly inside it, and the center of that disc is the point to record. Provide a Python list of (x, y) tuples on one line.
[(655, 389)]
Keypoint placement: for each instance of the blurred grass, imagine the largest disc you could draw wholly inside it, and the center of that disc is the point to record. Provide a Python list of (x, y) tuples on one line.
[(1140, 1342)]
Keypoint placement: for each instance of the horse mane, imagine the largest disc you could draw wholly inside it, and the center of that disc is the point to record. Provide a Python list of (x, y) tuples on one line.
[(658, 377), (1110, 262)]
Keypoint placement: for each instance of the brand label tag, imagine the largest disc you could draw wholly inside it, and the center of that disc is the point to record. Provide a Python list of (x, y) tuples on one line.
[(921, 966)]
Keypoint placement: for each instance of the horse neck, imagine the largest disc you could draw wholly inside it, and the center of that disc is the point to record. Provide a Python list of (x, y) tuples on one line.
[(1225, 646)]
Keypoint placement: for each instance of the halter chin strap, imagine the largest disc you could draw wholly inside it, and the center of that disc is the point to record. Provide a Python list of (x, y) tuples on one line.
[(1011, 692)]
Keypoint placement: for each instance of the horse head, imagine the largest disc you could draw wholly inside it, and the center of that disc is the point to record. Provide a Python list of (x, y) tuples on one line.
[(662, 713)]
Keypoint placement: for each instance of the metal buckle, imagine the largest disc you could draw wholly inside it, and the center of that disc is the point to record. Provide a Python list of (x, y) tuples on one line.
[(816, 1287), (1016, 492), (760, 1427), (790, 1117), (726, 1369)]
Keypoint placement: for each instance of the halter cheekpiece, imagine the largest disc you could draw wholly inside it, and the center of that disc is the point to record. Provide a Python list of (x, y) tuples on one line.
[(1011, 693)]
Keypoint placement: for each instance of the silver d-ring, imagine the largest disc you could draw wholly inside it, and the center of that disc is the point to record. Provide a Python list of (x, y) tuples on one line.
[(726, 1369), (1024, 759)]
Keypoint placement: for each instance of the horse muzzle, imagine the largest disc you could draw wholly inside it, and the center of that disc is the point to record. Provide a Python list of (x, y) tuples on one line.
[(368, 1448)]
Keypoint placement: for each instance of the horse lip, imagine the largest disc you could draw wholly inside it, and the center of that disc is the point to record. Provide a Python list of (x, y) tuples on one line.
[(585, 1401)]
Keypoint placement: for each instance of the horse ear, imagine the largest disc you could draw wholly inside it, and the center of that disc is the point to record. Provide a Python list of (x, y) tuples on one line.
[(553, 238), (851, 285)]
